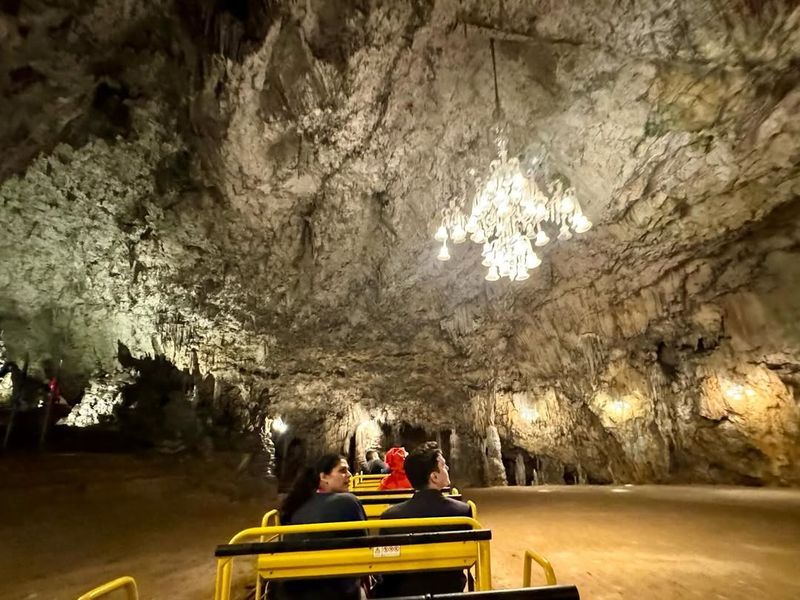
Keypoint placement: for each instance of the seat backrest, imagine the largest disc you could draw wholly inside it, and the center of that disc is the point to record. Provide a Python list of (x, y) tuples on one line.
[(375, 507), (366, 481), (314, 557), (403, 493)]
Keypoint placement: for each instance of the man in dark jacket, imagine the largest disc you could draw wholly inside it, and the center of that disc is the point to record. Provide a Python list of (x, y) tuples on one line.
[(374, 464), (428, 472)]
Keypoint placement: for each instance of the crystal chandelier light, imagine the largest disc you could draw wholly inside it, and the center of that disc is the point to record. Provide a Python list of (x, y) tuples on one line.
[(511, 213), (510, 216)]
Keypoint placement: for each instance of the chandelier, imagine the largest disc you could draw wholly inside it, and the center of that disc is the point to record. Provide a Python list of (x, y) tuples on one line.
[(511, 213), (510, 216)]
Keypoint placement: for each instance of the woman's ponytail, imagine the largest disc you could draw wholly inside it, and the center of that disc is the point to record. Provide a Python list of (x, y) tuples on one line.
[(305, 485)]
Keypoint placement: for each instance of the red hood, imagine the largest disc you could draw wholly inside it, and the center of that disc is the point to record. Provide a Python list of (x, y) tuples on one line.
[(396, 458)]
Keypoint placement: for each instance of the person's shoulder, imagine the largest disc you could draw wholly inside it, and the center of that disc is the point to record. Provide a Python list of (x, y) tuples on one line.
[(344, 499), (394, 511), (458, 505)]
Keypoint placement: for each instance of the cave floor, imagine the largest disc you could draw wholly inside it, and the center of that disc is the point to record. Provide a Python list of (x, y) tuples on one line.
[(63, 532)]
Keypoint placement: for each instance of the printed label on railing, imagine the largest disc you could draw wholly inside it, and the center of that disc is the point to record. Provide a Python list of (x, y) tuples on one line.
[(385, 551)]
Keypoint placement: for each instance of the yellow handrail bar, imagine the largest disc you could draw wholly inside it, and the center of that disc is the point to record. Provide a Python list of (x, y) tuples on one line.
[(474, 508), (270, 515), (549, 573), (128, 583)]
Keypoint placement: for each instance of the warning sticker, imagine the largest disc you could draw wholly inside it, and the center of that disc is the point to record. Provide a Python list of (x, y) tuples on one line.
[(385, 551)]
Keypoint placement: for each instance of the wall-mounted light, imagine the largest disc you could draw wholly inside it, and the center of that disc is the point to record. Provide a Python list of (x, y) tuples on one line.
[(617, 407), (529, 413), (736, 392), (279, 426)]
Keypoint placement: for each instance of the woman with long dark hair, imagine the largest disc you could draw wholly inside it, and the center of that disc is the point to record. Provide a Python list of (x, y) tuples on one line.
[(319, 494)]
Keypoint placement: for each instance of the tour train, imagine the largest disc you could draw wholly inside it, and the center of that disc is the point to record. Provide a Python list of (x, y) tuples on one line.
[(278, 559)]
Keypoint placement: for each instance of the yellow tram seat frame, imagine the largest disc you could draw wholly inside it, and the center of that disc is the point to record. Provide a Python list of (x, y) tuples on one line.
[(366, 482), (127, 583), (373, 511), (394, 494), (549, 573), (363, 560)]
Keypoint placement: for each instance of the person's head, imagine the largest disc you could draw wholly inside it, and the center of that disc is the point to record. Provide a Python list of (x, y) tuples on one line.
[(329, 473), (426, 468), (395, 458), (371, 455), (334, 473)]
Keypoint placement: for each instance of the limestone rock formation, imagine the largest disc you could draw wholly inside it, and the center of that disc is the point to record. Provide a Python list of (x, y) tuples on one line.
[(249, 188)]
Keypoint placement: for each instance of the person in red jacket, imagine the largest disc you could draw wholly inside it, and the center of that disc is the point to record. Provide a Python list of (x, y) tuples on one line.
[(397, 480)]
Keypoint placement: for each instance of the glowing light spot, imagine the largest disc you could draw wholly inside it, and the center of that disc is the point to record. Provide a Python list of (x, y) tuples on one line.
[(529, 413), (279, 426)]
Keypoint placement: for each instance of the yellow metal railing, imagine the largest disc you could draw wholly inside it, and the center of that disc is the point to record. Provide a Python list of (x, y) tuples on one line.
[(360, 561), (366, 482), (270, 518), (549, 573), (474, 508), (126, 583), (395, 494)]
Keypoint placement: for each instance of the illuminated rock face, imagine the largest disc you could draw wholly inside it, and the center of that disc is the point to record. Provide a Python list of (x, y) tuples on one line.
[(251, 189)]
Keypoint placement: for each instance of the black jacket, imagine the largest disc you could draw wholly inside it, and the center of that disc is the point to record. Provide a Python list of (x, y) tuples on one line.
[(375, 467), (323, 508), (424, 503)]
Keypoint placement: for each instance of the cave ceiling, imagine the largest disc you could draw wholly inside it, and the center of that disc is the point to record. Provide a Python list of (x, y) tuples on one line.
[(251, 187)]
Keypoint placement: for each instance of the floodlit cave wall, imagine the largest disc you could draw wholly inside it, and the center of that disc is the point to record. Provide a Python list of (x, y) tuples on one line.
[(218, 213)]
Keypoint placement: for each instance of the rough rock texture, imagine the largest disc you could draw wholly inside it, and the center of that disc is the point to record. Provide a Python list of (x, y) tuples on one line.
[(249, 189)]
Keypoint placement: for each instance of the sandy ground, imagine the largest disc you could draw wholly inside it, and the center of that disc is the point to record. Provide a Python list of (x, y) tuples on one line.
[(69, 523)]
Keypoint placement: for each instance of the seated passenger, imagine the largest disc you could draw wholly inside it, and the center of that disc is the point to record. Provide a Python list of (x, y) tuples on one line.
[(319, 495), (397, 479), (374, 464), (428, 472)]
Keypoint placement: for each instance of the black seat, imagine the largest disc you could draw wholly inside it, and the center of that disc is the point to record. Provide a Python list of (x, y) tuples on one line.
[(551, 592)]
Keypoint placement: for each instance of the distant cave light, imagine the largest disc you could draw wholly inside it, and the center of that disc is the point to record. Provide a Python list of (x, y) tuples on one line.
[(736, 392), (529, 413), (279, 426), (617, 409)]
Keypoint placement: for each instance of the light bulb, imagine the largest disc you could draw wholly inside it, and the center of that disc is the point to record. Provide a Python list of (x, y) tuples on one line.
[(478, 237), (492, 274), (581, 224), (532, 261), (541, 238), (441, 234), (443, 253), (458, 235)]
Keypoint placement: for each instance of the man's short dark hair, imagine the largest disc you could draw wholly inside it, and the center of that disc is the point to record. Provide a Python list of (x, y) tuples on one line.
[(422, 461), (372, 454)]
